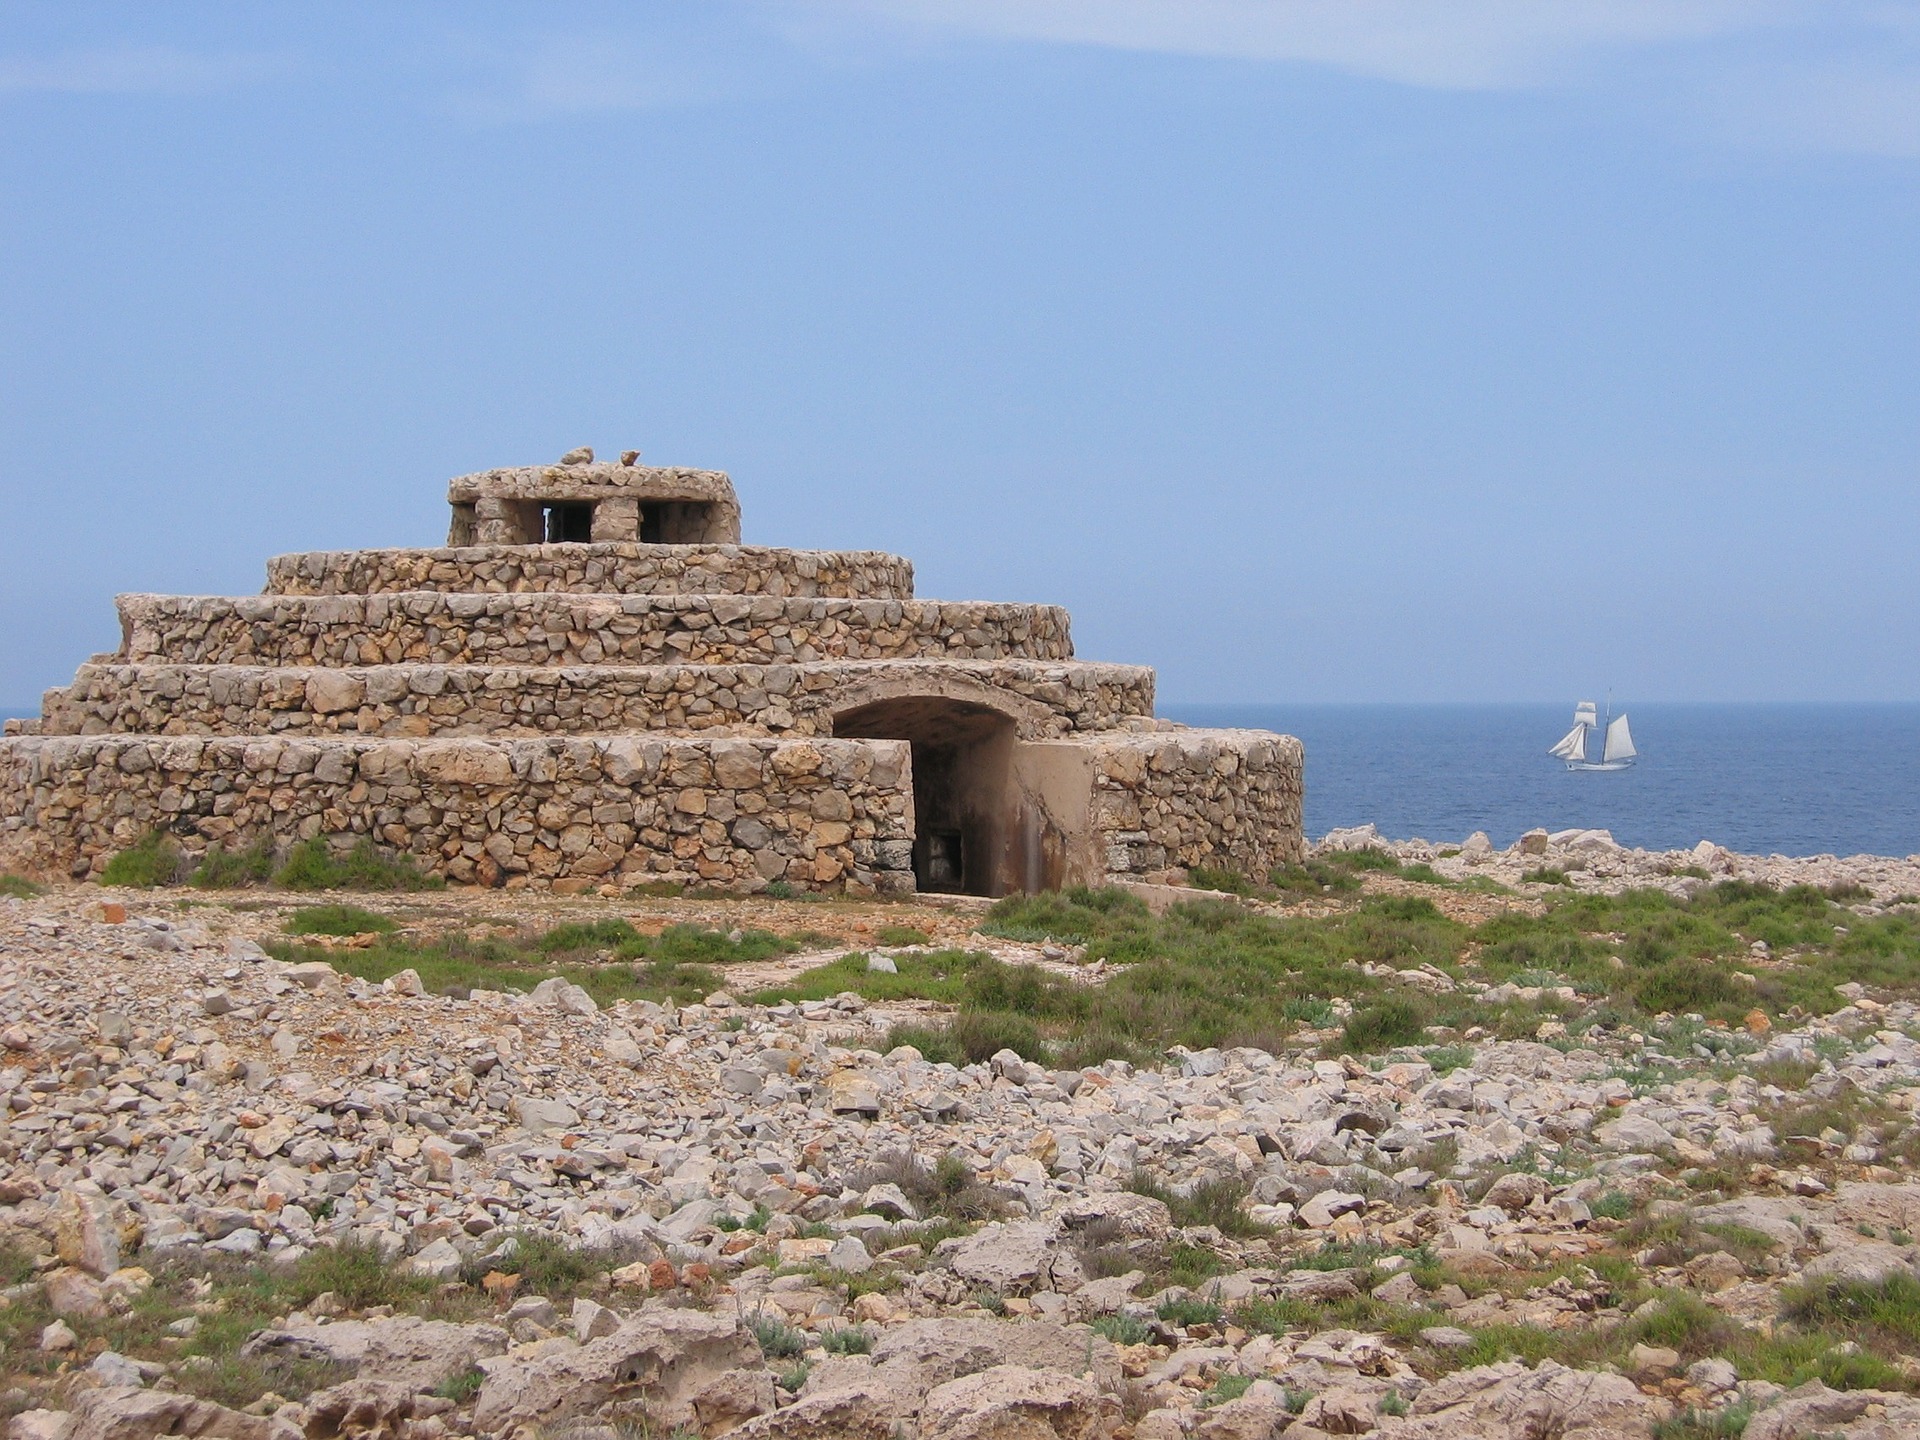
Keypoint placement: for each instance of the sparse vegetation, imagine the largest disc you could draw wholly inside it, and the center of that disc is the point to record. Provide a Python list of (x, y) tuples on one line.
[(153, 861), (338, 920), (17, 887), (222, 869), (313, 865)]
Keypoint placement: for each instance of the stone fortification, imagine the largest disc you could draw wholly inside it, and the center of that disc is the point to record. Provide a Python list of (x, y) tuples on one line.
[(595, 683), (416, 700), (548, 629), (605, 569)]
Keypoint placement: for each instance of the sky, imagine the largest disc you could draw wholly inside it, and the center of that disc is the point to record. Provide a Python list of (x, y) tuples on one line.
[(1309, 350)]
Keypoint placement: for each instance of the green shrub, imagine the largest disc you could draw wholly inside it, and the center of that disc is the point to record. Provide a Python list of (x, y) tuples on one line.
[(587, 935), (934, 1042), (1219, 1203), (847, 1340), (338, 920), (1228, 1387), (17, 887), (222, 869), (1191, 1311), (1545, 875), (154, 861), (1883, 1313), (778, 1340), (1678, 986), (546, 1264), (1123, 1329), (893, 936), (361, 1275), (312, 865), (462, 1387), (1230, 882), (1385, 1024)]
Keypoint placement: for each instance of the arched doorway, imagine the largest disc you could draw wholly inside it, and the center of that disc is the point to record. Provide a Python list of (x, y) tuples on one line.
[(962, 787)]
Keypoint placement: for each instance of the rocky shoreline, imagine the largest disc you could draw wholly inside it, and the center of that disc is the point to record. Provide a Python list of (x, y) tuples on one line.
[(791, 1230), (1591, 860)]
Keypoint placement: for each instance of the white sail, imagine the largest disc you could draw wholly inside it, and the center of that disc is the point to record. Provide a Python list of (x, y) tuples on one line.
[(1573, 745), (1588, 714), (1619, 741)]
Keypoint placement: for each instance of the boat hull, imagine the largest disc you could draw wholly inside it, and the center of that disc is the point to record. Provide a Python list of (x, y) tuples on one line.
[(1599, 764)]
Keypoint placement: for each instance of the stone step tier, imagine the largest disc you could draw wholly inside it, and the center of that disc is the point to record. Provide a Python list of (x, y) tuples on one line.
[(731, 813), (626, 568), (1046, 698), (431, 627)]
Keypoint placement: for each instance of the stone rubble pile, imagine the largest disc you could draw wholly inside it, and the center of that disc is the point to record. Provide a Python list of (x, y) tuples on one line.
[(172, 1090), (1591, 860)]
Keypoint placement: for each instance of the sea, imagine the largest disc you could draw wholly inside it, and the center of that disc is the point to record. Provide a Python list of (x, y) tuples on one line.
[(1761, 779)]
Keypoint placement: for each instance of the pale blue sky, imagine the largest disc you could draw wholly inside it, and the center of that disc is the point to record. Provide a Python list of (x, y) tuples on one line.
[(1307, 349)]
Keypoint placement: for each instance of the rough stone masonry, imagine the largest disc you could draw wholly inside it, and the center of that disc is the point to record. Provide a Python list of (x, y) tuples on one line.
[(596, 683)]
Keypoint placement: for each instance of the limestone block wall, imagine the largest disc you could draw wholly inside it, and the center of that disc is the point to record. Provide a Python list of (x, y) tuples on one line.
[(543, 629), (1060, 697), (1226, 799), (491, 506), (604, 569), (821, 814)]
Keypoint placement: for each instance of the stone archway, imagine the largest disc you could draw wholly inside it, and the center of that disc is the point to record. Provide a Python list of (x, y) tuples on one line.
[(963, 792)]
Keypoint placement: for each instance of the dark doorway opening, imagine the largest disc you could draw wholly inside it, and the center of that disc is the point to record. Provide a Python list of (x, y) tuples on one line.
[(569, 522), (962, 774)]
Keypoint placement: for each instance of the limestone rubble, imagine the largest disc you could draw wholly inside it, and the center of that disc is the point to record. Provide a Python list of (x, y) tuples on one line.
[(173, 1091)]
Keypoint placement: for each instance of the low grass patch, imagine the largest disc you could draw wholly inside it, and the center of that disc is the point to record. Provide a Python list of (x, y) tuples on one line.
[(778, 1340), (643, 967), (153, 861), (17, 887), (946, 1189), (338, 920), (223, 869), (1219, 1203), (937, 975), (894, 936), (1123, 1329), (313, 865)]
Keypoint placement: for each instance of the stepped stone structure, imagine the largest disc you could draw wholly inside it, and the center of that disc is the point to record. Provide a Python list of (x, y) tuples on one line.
[(595, 683)]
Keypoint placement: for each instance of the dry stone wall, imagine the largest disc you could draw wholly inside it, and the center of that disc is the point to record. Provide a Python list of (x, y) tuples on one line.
[(739, 813), (1226, 799), (511, 711), (604, 569), (542, 629), (421, 700)]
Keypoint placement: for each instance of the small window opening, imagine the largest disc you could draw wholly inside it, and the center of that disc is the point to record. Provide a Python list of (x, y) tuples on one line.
[(569, 523), (653, 524), (943, 867)]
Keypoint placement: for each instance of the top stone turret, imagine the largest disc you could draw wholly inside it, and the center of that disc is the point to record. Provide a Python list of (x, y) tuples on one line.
[(581, 500)]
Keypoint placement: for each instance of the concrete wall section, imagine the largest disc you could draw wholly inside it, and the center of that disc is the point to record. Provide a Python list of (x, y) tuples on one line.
[(424, 627), (829, 815), (604, 569), (1105, 809)]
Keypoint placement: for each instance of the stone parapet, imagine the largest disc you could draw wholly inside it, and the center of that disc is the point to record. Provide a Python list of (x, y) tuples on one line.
[(833, 815), (425, 627), (1225, 799), (1050, 698), (602, 569)]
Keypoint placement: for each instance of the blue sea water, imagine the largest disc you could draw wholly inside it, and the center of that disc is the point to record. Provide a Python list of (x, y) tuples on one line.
[(1763, 779)]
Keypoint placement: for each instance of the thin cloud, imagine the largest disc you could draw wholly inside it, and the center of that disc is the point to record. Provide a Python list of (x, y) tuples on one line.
[(1459, 44), (151, 71), (1810, 75)]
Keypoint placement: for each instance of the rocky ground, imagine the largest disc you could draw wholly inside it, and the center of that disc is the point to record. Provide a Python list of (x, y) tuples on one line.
[(247, 1196)]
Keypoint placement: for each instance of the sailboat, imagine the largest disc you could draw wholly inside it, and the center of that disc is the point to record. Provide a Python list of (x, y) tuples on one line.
[(1617, 752)]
